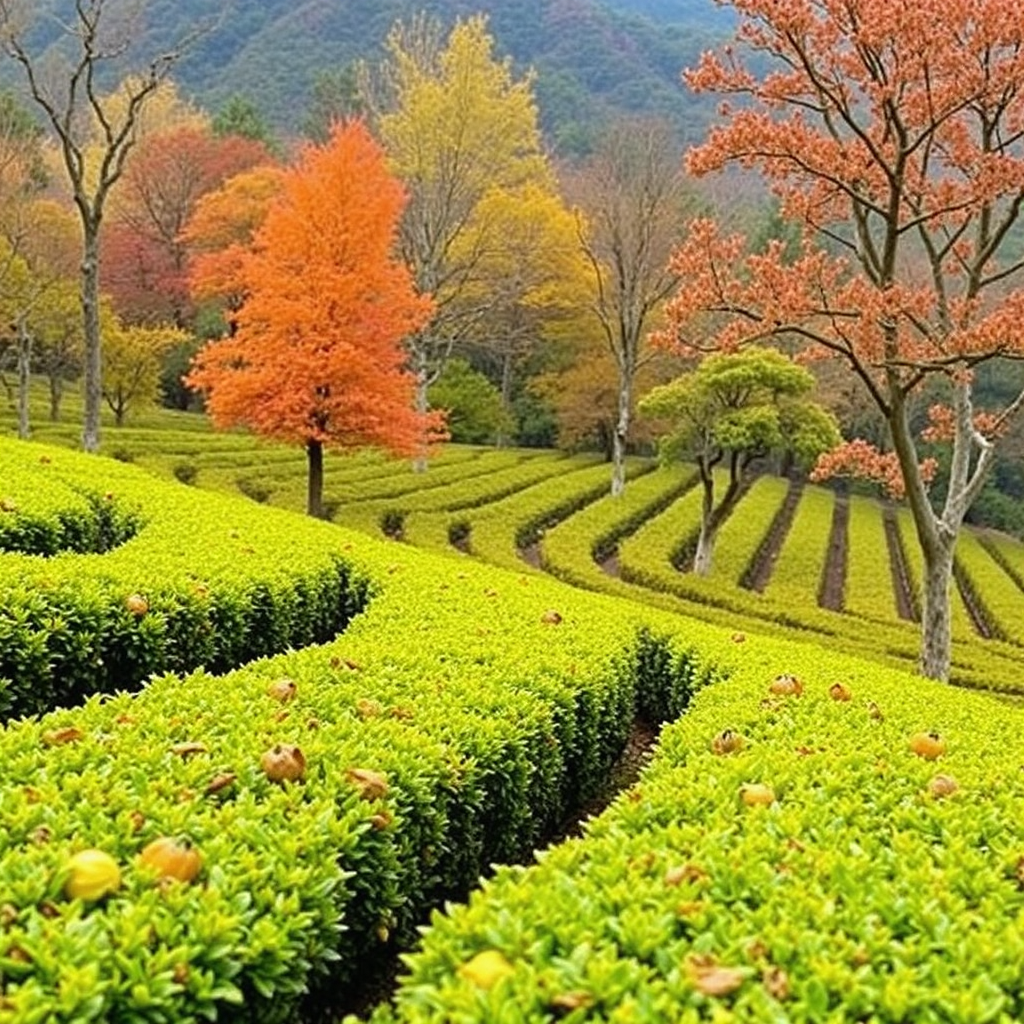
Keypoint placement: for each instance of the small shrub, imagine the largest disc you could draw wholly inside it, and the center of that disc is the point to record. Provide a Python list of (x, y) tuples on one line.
[(254, 489), (458, 533), (392, 523), (185, 472)]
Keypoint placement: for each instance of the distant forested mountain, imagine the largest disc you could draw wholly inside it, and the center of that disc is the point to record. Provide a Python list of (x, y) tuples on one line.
[(594, 59), (683, 12)]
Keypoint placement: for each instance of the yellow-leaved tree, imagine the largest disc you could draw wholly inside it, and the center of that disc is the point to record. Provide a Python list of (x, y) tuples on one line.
[(530, 278), (133, 357), (455, 124)]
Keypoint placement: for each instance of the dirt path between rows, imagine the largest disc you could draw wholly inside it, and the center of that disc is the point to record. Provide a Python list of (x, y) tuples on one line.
[(833, 578), (759, 572), (379, 984), (905, 605), (976, 610), (530, 554)]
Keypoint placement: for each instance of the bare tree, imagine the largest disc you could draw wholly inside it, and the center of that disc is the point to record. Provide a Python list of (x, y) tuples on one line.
[(631, 204), (95, 131)]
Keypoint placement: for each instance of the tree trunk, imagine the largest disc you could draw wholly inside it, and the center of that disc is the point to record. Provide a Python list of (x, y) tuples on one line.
[(705, 550), (708, 527), (24, 379), (936, 635), (419, 463), (93, 353), (315, 480), (501, 441), (935, 535), (712, 517), (56, 396), (620, 434)]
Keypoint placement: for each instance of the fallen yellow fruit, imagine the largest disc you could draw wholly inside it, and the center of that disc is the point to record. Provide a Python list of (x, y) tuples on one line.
[(486, 968), (92, 875)]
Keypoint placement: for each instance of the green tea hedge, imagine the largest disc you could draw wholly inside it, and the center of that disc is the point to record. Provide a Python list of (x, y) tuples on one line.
[(457, 721), (817, 869), (186, 580)]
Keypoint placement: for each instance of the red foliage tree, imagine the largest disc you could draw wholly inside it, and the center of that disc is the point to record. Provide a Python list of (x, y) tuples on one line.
[(891, 132), (317, 355), (143, 253)]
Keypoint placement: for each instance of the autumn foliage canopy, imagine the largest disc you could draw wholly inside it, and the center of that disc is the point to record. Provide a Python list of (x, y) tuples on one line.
[(317, 356), (891, 133), (144, 255)]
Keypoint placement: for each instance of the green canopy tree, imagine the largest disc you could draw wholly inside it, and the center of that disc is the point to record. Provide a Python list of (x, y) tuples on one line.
[(134, 355), (732, 409), (474, 412)]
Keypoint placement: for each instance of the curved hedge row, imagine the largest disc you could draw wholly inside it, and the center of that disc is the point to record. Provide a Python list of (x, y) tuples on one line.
[(45, 517), (648, 574), (498, 531), (459, 718), (188, 579), (821, 872)]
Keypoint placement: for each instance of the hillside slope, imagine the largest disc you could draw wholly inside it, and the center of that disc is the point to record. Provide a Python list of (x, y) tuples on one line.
[(594, 59)]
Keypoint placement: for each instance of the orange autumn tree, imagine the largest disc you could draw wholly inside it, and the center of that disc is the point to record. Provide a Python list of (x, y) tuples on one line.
[(892, 132), (220, 232), (317, 356)]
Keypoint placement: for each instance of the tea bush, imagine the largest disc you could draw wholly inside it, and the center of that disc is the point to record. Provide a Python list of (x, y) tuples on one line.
[(458, 719), (860, 882)]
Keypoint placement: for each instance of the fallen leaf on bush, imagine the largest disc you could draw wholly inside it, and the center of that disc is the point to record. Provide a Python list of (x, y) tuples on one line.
[(219, 782), (572, 1001), (712, 980), (185, 749), (691, 908), (776, 983), (55, 737), (551, 617), (684, 873), (371, 785), (352, 666), (367, 707)]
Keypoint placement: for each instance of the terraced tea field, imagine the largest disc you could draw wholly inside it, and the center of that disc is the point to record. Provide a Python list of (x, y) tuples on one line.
[(793, 559), (327, 734)]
